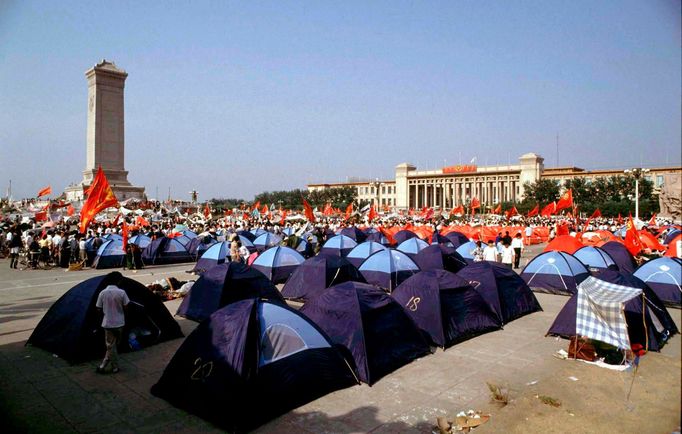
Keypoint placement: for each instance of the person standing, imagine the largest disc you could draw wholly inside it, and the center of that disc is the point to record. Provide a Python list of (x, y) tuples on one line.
[(517, 245), (14, 245), (507, 254), (112, 302), (490, 252)]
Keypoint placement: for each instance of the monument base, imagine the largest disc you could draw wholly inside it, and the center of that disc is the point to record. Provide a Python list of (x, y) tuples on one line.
[(122, 192)]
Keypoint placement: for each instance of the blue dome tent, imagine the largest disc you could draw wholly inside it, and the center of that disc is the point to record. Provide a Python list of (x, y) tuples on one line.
[(363, 251), (555, 272), (388, 268), (277, 263), (266, 240), (250, 362), (594, 258), (110, 255), (664, 276), (339, 245)]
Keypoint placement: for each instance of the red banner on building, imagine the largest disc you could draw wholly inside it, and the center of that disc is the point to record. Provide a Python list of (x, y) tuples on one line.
[(460, 168)]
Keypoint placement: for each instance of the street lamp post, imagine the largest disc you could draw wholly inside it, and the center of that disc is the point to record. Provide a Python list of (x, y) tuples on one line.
[(637, 173), (376, 184)]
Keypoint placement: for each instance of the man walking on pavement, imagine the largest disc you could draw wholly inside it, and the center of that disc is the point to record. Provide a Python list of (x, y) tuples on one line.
[(112, 302)]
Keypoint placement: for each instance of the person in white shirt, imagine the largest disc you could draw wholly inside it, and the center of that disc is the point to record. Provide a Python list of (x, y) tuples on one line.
[(507, 255), (112, 302), (490, 252), (517, 245)]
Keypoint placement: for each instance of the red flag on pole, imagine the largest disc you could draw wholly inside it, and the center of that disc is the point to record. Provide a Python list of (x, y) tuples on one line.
[(45, 191), (140, 221), (459, 210), (328, 210), (620, 219), (475, 204), (534, 211), (124, 233), (548, 210), (207, 210), (349, 210), (308, 211), (511, 212), (632, 241), (498, 209), (101, 197), (566, 200), (372, 213), (284, 217), (70, 210), (596, 214), (652, 222)]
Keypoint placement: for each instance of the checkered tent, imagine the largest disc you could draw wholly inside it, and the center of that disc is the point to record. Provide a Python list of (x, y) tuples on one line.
[(608, 308)]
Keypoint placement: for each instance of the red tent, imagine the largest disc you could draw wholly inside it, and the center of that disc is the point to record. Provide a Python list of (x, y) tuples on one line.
[(564, 243)]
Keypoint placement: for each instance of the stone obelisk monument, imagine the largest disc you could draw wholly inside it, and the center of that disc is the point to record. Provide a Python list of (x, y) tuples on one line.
[(105, 133)]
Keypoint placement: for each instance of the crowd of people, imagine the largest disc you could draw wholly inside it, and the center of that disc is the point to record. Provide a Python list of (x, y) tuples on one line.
[(61, 244)]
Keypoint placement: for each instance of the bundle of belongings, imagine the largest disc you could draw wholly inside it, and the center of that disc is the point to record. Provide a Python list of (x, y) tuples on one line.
[(170, 288)]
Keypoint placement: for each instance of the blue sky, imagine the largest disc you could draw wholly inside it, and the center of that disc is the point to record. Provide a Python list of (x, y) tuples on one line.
[(233, 99)]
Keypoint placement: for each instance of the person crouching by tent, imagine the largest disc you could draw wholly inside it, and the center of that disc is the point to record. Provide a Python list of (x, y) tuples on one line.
[(112, 302)]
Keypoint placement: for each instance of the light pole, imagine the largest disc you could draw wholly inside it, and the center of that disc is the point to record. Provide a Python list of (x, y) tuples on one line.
[(376, 184), (637, 173)]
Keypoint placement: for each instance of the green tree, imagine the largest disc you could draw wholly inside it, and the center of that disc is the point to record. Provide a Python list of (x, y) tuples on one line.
[(542, 191)]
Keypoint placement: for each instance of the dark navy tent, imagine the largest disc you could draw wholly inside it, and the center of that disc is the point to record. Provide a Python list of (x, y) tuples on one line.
[(71, 328), (437, 238), (505, 291), (664, 276), (199, 245), (318, 273), (388, 268), (621, 256), (142, 241), (439, 257), (456, 238), (277, 263), (445, 307), (247, 234), (363, 251), (594, 258), (377, 237), (354, 233), (412, 246), (674, 232), (109, 255), (370, 324), (339, 245), (266, 240), (251, 362), (214, 255), (224, 284), (184, 240), (165, 250), (555, 272), (660, 325), (466, 250), (403, 235)]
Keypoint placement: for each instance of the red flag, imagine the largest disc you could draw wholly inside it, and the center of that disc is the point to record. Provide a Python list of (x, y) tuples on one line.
[(387, 234), (620, 219), (70, 210), (475, 204), (652, 222), (632, 241), (207, 210), (511, 212), (328, 210), (40, 216), (115, 222), (349, 210), (548, 210), (140, 221), (372, 213), (257, 205), (459, 210), (428, 214), (308, 211), (45, 191), (124, 233), (498, 209), (284, 217), (596, 214), (101, 197), (566, 200), (534, 211)]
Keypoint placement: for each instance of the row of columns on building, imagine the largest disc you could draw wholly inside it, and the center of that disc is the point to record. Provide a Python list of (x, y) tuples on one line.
[(448, 195)]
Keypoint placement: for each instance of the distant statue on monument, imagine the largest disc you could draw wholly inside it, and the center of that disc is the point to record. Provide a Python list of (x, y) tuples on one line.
[(105, 144)]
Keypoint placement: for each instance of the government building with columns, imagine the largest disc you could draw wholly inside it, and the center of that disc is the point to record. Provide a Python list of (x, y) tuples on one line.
[(451, 186)]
